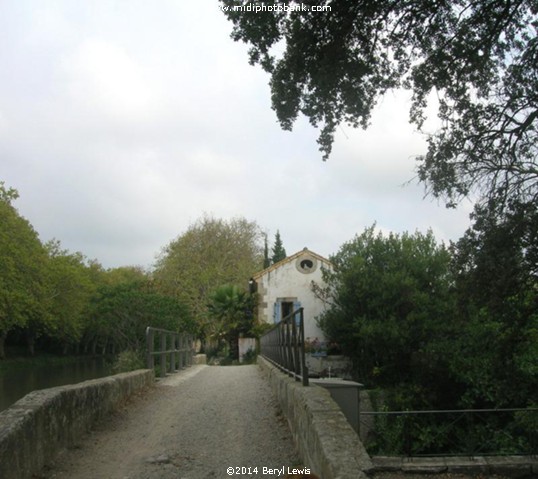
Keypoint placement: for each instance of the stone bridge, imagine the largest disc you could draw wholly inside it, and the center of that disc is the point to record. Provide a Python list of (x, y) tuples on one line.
[(203, 422)]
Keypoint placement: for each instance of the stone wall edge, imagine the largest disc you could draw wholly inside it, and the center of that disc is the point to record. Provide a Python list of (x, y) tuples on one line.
[(325, 441), (42, 423)]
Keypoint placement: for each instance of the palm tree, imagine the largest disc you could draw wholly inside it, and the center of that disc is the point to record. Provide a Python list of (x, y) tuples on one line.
[(230, 310)]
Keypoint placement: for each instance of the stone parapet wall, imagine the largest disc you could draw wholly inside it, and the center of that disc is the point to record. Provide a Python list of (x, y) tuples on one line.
[(38, 426), (325, 441), (328, 366), (199, 359), (517, 467)]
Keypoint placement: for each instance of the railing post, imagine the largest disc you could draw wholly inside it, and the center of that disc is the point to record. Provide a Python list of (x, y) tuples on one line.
[(304, 368), (190, 349), (178, 350), (181, 352), (163, 354), (295, 348), (149, 348), (186, 346), (283, 345), (179, 361), (174, 352)]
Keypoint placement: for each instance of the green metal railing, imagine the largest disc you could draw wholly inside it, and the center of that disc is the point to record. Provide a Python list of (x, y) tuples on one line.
[(175, 350), (283, 346), (458, 432)]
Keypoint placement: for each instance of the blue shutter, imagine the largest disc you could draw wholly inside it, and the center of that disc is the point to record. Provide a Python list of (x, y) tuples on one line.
[(296, 306), (276, 312)]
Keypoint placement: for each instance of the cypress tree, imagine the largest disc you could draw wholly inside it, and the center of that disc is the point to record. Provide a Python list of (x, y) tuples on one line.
[(279, 253), (266, 259)]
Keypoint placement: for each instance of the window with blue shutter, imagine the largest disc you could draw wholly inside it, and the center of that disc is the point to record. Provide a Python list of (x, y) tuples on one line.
[(276, 312), (296, 306)]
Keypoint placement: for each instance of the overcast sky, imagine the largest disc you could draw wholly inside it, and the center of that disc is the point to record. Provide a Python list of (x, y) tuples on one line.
[(123, 122)]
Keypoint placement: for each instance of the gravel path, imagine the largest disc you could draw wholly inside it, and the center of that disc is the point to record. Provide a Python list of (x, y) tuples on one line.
[(192, 425)]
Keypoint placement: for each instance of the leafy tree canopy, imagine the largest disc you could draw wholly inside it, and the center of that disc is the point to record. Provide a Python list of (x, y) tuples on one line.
[(52, 297), (22, 269), (495, 266), (70, 284), (479, 59), (212, 252), (7, 195), (121, 313), (125, 274), (389, 303), (443, 329)]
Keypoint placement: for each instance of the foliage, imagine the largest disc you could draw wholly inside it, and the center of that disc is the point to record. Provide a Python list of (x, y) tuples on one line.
[(125, 274), (231, 314), (279, 253), (478, 59), (70, 286), (460, 433), (128, 360), (250, 357), (391, 303), (212, 252), (58, 299), (260, 327), (444, 329), (7, 195), (496, 272), (121, 313), (321, 348), (22, 269)]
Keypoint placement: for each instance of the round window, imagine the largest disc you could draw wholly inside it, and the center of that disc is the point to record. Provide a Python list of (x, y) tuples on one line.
[(306, 264)]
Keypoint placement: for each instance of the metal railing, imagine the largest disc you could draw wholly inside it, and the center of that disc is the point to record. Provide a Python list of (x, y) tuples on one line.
[(459, 432), (283, 346), (174, 349)]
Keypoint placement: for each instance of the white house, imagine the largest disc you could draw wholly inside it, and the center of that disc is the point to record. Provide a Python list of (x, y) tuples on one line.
[(287, 285)]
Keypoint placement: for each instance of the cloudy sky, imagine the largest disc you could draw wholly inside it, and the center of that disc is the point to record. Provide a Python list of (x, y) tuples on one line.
[(124, 121)]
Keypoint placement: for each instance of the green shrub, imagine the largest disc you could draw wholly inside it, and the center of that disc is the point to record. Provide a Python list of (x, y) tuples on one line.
[(250, 356), (128, 360)]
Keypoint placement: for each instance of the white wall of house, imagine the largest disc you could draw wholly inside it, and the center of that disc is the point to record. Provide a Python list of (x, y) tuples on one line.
[(289, 284)]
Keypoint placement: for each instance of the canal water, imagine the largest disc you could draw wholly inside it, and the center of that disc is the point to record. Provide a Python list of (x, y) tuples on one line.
[(18, 382)]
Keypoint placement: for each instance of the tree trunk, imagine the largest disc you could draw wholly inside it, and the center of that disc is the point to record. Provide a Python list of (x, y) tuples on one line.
[(234, 346), (30, 341)]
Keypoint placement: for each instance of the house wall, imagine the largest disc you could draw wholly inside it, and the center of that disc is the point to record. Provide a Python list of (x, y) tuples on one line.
[(288, 283)]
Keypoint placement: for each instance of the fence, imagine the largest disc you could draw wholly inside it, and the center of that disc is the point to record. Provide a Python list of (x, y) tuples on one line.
[(283, 346), (461, 432), (175, 350)]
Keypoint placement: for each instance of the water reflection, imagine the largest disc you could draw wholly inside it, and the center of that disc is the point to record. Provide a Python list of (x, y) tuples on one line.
[(18, 382)]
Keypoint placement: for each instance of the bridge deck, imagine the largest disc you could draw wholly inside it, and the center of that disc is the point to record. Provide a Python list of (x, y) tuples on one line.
[(192, 425)]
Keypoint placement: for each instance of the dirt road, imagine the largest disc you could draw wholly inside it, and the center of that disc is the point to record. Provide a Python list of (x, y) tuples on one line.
[(193, 425)]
